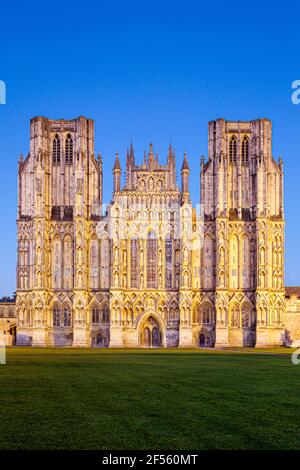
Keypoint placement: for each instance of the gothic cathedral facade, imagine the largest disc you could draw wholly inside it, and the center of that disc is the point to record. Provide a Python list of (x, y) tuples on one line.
[(150, 270)]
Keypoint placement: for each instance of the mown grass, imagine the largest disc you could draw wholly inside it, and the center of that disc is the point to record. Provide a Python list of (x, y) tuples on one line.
[(149, 399)]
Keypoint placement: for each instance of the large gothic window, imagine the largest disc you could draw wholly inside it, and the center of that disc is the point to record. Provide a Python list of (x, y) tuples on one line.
[(233, 149), (152, 260), (69, 150), (134, 262), (56, 150), (245, 150), (169, 258)]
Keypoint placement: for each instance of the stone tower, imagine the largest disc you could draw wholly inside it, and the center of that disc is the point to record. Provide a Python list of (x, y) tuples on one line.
[(243, 255), (60, 198)]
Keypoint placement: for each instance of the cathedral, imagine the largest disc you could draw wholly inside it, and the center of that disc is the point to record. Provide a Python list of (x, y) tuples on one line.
[(149, 269)]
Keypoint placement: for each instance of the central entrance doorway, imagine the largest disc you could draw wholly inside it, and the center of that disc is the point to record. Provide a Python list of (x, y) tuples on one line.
[(202, 340), (150, 334)]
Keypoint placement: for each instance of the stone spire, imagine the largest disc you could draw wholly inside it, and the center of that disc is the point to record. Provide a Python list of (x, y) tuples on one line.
[(117, 174), (131, 152), (185, 172), (185, 165), (117, 165), (129, 165), (170, 153), (151, 157)]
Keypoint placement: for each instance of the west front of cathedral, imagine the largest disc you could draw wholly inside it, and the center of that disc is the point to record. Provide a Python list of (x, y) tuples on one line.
[(150, 270)]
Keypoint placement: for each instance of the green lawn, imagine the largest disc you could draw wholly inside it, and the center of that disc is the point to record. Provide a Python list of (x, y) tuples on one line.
[(142, 399)]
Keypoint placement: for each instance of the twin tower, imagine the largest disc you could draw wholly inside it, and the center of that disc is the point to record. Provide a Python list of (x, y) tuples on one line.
[(151, 271)]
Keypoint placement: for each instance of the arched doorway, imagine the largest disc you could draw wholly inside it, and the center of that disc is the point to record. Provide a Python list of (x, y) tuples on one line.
[(202, 340), (150, 333), (206, 338), (100, 341)]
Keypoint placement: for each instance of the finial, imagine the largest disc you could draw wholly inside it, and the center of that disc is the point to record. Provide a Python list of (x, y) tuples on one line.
[(185, 165), (131, 149), (117, 165), (151, 158)]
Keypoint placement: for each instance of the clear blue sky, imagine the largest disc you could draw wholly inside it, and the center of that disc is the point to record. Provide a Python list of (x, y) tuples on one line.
[(149, 71)]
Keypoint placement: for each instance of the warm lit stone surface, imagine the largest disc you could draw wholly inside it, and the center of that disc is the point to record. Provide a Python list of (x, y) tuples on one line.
[(152, 270)]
